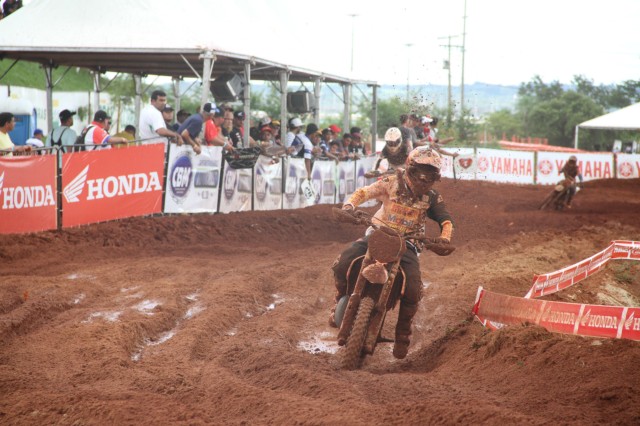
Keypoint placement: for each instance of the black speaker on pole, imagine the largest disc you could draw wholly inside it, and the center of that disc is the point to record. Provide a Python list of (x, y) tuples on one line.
[(227, 87), (300, 102)]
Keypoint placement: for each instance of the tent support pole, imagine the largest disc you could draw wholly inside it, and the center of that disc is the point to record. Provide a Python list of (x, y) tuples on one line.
[(374, 117), (284, 81), (176, 94), (346, 90), (137, 80), (316, 107), (96, 91), (246, 94), (575, 143), (208, 58), (48, 74)]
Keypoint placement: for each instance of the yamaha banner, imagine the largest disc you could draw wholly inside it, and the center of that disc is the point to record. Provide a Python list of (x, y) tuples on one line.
[(28, 194), (111, 184)]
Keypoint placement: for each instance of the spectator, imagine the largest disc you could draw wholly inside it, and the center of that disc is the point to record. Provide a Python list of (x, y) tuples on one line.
[(227, 125), (129, 133), (293, 143), (167, 116), (408, 134), (63, 135), (36, 140), (213, 131), (192, 126), (180, 117), (152, 126), (7, 124), (335, 133), (358, 143), (434, 140), (321, 149), (275, 125), (237, 132), (97, 133)]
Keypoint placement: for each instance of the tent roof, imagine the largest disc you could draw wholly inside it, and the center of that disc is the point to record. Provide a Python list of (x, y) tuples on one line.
[(627, 118), (158, 37)]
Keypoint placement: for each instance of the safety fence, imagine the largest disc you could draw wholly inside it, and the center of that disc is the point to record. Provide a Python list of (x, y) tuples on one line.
[(495, 310), (59, 190), (44, 192)]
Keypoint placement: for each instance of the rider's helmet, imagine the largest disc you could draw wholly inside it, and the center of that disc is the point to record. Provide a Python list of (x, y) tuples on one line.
[(423, 167), (393, 139), (573, 158)]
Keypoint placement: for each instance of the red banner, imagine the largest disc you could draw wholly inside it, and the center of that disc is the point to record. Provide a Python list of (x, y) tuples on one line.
[(28, 194), (111, 184), (495, 310)]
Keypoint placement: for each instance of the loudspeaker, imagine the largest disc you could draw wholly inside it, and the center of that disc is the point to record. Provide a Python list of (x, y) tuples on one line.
[(227, 87), (300, 102)]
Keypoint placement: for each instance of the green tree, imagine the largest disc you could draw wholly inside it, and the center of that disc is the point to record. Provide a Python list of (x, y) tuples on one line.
[(503, 122)]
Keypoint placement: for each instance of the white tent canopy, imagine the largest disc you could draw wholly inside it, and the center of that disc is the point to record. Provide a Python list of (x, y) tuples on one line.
[(190, 38), (627, 118)]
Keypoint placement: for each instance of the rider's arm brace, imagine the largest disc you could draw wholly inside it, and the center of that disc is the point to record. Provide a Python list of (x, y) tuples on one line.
[(439, 213)]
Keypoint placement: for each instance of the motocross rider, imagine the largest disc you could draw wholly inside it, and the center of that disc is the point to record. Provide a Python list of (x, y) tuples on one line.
[(395, 150), (407, 201), (571, 170)]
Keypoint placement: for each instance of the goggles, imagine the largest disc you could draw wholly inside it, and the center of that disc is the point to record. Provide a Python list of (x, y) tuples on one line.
[(422, 176), (393, 144)]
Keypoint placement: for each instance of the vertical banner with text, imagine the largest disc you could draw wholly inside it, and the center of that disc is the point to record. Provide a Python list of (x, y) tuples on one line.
[(192, 180), (324, 181), (111, 184), (28, 198), (267, 184)]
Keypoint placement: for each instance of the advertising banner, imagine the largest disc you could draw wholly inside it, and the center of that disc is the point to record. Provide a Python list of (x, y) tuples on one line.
[(346, 172), (28, 198), (111, 184), (193, 181), (295, 174), (628, 166), (592, 166), (323, 179), (498, 165), (495, 310), (363, 165), (267, 184), (465, 164), (237, 189)]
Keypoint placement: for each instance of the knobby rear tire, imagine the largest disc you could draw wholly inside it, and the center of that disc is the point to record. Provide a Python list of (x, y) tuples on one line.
[(548, 199), (350, 355)]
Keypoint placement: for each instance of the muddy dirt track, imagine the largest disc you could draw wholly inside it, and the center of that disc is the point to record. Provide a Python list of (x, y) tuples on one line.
[(222, 319)]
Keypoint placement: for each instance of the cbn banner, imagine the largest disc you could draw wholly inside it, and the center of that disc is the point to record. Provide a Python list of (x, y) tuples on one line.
[(28, 194), (192, 183), (111, 184), (324, 182), (498, 165), (267, 184), (295, 173), (592, 166), (628, 166), (237, 189)]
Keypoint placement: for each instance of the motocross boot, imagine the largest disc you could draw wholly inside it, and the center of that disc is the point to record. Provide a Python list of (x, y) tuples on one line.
[(332, 316), (403, 329)]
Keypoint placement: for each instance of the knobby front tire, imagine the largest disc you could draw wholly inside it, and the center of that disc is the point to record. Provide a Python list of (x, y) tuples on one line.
[(350, 355)]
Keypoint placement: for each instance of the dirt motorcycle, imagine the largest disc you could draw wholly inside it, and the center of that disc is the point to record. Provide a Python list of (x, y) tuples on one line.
[(559, 195), (374, 287)]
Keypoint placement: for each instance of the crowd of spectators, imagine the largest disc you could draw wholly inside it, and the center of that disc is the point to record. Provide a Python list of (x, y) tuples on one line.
[(212, 125)]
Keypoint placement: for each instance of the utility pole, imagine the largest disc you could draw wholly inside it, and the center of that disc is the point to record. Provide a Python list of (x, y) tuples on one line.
[(353, 16), (464, 37), (408, 66), (447, 66)]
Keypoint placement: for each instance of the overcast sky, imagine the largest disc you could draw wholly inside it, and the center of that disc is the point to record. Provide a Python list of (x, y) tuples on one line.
[(507, 41)]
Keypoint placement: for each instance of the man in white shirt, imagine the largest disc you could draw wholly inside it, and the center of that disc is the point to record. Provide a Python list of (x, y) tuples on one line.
[(152, 125), (36, 140)]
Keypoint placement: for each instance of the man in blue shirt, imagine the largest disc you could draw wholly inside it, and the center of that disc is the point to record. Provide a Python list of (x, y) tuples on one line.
[(192, 126)]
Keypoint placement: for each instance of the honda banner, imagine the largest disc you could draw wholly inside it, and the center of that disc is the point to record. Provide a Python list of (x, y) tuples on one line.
[(592, 166), (28, 194), (192, 180), (111, 184)]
